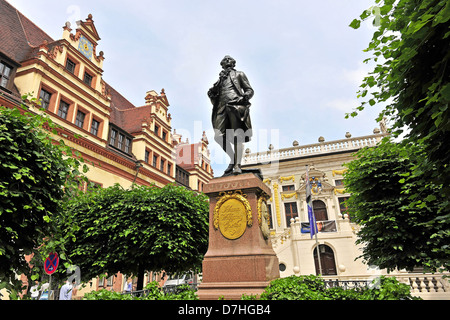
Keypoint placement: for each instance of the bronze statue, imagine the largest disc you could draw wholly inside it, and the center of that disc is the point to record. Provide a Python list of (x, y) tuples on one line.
[(230, 97)]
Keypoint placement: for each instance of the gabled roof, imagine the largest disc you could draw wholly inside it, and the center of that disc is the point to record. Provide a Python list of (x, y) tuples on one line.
[(131, 120), (18, 34), (124, 114), (118, 101), (90, 27)]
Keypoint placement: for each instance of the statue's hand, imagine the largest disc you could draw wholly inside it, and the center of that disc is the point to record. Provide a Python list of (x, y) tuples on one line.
[(212, 93), (243, 100)]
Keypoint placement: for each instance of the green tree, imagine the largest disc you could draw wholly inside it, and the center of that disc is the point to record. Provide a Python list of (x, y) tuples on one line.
[(382, 181), (36, 174), (139, 229), (411, 76)]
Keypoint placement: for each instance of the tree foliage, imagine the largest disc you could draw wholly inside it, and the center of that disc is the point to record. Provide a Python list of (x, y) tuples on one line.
[(383, 182), (138, 229), (411, 50), (35, 176)]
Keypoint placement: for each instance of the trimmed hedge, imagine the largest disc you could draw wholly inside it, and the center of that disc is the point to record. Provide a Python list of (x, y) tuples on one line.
[(314, 288)]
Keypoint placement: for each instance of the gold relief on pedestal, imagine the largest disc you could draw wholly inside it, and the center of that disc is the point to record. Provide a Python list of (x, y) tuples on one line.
[(263, 217), (232, 214)]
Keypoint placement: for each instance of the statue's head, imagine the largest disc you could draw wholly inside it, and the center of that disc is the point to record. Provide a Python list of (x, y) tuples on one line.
[(228, 61)]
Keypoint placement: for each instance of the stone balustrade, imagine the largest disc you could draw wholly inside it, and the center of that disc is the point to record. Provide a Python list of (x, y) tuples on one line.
[(425, 285), (349, 144)]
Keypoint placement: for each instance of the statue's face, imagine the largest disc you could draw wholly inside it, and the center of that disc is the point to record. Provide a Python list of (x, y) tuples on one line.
[(228, 62)]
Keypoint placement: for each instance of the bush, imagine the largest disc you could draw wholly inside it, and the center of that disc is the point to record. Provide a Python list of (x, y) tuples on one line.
[(295, 288), (389, 289), (152, 292), (104, 294), (314, 288)]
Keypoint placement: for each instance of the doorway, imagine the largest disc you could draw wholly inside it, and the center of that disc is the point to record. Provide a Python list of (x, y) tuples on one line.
[(327, 261)]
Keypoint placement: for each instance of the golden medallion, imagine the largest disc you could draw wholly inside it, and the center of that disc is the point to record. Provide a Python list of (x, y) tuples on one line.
[(232, 214)]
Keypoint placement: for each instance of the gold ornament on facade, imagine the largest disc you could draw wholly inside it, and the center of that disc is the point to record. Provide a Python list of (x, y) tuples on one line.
[(277, 203), (341, 191), (232, 214), (339, 172), (287, 178), (289, 195)]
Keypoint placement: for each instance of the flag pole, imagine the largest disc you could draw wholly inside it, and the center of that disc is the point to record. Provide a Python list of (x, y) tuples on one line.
[(318, 253), (312, 219)]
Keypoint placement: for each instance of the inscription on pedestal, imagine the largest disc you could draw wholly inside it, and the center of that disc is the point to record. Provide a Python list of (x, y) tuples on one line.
[(232, 219), (232, 214)]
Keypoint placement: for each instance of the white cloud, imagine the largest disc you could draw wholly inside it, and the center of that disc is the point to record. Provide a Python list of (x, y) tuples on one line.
[(343, 104), (356, 76)]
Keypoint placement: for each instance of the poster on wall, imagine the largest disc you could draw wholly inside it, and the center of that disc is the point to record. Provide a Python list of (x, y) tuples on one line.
[(322, 226)]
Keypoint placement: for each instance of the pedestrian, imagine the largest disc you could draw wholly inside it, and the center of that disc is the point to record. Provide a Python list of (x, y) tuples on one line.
[(35, 291), (66, 291), (129, 286), (44, 291)]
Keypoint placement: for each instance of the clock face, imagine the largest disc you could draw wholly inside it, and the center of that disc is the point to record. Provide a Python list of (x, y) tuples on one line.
[(85, 47)]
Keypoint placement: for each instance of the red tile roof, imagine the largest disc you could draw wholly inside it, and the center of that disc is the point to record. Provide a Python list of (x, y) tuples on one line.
[(18, 34), (131, 119), (124, 114)]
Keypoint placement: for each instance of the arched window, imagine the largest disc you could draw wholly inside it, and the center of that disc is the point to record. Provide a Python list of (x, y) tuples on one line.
[(328, 264), (320, 210)]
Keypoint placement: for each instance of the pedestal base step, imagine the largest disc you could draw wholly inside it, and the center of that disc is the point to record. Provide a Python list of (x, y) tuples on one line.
[(230, 290)]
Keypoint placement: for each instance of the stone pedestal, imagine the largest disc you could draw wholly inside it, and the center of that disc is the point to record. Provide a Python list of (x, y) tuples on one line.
[(240, 260)]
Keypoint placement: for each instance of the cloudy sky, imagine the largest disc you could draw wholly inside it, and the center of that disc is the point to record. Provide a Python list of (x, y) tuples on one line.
[(301, 57)]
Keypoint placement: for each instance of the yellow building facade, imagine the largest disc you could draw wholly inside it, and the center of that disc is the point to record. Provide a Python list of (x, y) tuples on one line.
[(284, 172), (110, 133)]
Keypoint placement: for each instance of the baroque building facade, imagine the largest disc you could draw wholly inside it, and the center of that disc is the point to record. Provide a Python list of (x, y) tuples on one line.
[(121, 143), (284, 172)]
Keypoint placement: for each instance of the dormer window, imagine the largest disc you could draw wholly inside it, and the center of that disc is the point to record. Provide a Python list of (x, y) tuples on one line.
[(113, 137), (5, 73), (127, 145), (120, 140)]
